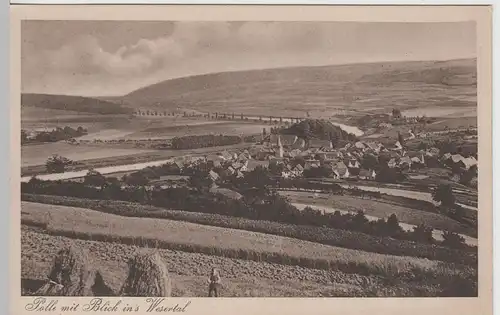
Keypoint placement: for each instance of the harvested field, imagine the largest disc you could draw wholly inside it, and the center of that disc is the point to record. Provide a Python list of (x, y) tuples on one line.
[(220, 127), (92, 225), (327, 236), (241, 277)]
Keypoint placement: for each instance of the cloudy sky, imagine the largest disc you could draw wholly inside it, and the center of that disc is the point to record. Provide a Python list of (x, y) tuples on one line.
[(98, 58)]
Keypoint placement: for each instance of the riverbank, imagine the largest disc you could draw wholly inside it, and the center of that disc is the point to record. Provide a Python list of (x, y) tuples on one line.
[(124, 163)]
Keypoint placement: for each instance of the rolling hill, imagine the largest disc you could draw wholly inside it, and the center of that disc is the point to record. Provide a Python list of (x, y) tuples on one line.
[(323, 90), (73, 103)]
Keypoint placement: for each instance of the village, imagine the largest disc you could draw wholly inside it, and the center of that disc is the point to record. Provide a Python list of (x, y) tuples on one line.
[(288, 156)]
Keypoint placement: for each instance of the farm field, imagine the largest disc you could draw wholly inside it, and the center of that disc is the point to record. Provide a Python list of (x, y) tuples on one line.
[(220, 127), (60, 219), (32, 155), (442, 111), (378, 209), (189, 271), (29, 114), (453, 123)]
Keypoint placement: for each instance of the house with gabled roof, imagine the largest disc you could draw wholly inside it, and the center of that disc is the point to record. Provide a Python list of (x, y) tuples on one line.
[(433, 151), (359, 145), (446, 156), (367, 174), (231, 170), (374, 146), (404, 162), (254, 150), (469, 162), (417, 160), (264, 154), (179, 164), (398, 146), (334, 155), (213, 175), (353, 163), (296, 171), (335, 174), (243, 157), (226, 155), (317, 143), (392, 163), (298, 168), (311, 164)]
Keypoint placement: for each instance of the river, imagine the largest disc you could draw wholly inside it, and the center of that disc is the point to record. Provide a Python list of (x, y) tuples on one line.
[(350, 129), (437, 234), (102, 170)]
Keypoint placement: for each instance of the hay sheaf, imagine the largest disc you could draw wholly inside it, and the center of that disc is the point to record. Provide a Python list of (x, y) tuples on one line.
[(148, 276), (70, 275)]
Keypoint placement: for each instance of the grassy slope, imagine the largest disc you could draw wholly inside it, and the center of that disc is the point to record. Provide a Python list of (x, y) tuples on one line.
[(325, 89), (327, 236), (226, 242), (72, 103)]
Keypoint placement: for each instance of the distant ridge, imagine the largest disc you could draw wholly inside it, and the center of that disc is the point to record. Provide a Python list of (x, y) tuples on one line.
[(73, 103), (325, 87)]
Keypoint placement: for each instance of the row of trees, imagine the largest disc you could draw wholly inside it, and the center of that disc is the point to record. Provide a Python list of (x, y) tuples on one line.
[(57, 134), (204, 141)]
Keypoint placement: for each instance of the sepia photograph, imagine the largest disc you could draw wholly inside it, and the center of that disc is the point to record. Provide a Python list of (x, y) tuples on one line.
[(249, 158)]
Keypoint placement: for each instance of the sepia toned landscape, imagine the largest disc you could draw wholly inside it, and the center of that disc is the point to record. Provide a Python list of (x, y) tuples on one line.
[(346, 169)]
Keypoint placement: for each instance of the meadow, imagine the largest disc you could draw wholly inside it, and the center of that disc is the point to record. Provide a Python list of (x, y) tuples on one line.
[(32, 155), (87, 224), (209, 127)]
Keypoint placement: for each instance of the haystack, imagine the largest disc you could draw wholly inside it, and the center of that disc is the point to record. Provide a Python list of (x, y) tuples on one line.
[(70, 275), (148, 276)]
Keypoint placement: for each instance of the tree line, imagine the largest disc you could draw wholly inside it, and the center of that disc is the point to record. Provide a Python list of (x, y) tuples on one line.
[(57, 134), (258, 203), (204, 141)]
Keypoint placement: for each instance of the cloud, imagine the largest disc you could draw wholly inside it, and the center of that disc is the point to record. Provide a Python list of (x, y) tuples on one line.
[(82, 64)]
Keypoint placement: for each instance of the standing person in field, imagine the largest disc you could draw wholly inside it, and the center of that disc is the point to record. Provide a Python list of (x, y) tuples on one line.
[(214, 283)]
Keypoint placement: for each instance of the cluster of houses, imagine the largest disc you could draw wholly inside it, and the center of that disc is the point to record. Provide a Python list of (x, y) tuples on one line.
[(293, 156)]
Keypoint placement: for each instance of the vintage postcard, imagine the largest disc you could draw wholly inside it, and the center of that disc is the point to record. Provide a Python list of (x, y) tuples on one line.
[(172, 159)]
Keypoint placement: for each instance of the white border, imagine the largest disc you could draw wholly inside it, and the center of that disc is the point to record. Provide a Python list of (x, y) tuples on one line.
[(4, 97)]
